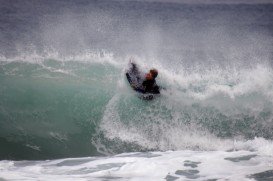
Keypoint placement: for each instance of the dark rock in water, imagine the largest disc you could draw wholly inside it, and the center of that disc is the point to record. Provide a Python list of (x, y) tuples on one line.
[(111, 178), (191, 164), (242, 158), (263, 176), (191, 174), (171, 178)]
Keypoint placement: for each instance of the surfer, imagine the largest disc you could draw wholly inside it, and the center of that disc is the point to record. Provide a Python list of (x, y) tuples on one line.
[(146, 84), (149, 83)]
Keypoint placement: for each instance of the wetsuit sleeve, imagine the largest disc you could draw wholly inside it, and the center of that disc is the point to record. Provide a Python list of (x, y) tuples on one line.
[(135, 69), (156, 89), (148, 85)]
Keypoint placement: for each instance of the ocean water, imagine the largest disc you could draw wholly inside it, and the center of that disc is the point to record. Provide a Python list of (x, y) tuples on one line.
[(68, 113)]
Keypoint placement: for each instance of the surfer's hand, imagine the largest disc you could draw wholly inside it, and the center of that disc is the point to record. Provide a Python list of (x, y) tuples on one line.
[(131, 60)]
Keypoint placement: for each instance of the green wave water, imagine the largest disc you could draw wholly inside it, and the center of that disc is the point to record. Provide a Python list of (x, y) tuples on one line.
[(53, 108), (46, 113)]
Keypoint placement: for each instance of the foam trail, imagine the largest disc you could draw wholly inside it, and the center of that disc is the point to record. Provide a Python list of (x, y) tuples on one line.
[(179, 165)]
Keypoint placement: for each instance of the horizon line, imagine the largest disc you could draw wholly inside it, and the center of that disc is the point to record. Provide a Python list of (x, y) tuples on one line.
[(208, 1)]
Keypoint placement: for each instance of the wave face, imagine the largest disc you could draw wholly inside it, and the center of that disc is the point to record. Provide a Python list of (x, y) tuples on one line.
[(63, 91)]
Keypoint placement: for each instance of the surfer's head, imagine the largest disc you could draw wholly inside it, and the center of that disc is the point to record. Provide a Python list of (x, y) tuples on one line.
[(154, 73)]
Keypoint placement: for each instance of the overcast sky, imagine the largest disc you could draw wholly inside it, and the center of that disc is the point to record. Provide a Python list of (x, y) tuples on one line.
[(211, 1)]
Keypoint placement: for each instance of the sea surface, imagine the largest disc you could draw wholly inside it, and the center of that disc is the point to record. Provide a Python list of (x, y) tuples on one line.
[(67, 111)]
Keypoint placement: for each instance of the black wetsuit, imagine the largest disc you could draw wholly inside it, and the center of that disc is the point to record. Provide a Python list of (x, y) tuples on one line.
[(147, 86), (150, 86)]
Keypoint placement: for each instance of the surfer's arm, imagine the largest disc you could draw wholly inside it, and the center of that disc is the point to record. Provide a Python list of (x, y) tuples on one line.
[(134, 68), (144, 86)]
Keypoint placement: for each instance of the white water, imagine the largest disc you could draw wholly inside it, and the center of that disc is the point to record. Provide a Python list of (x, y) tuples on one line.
[(252, 157)]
